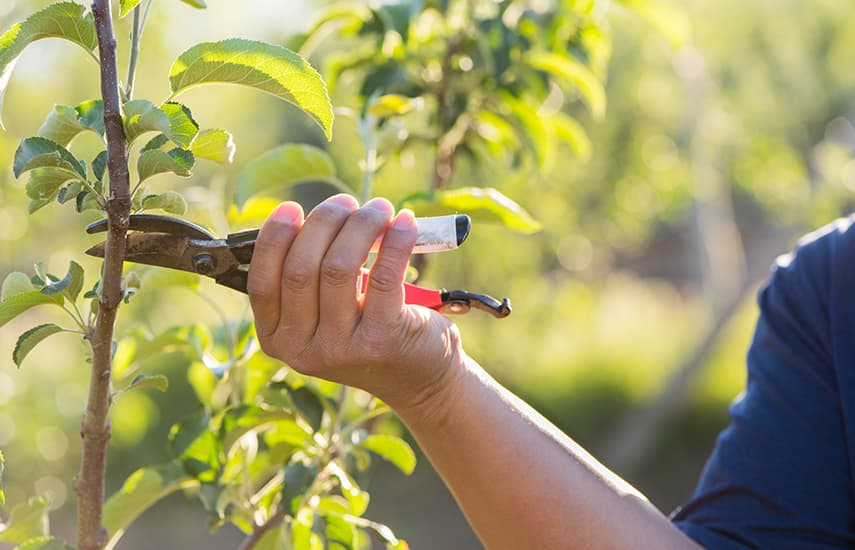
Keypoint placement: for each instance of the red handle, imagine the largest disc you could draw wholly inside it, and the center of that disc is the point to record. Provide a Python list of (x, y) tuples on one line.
[(414, 294)]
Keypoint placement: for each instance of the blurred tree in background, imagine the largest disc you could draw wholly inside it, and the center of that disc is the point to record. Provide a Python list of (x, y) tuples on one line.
[(633, 305)]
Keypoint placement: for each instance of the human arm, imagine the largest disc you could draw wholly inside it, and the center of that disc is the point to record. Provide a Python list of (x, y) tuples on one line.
[(519, 480)]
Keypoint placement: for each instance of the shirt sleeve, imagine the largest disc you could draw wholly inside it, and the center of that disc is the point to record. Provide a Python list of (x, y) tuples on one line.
[(779, 476)]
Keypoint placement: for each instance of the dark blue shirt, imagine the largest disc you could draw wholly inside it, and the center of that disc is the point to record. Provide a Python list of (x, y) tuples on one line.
[(781, 475)]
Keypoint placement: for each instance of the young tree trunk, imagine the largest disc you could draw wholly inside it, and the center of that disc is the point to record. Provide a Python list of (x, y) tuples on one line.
[(95, 429)]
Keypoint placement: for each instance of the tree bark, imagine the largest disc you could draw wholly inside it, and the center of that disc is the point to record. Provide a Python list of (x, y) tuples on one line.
[(95, 428)]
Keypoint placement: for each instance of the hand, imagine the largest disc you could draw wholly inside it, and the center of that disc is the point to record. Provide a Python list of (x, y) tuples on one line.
[(304, 291)]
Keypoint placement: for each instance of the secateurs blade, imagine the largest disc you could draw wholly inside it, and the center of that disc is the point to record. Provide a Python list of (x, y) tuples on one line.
[(178, 244)]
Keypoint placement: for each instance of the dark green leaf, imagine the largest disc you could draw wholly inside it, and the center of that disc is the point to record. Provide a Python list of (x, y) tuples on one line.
[(27, 521), (87, 201), (285, 166), (30, 339), (157, 382), (214, 145), (393, 449), (196, 447), (66, 20), (481, 204), (38, 152), (157, 143), (69, 192), (140, 491), (309, 405), (298, 478), (169, 201), (99, 166), (15, 283), (182, 127), (64, 122), (45, 543), (153, 162), (266, 67), (70, 285), (19, 303)]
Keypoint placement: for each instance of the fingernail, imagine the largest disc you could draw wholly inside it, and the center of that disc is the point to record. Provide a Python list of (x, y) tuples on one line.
[(380, 204), (288, 213), (342, 199), (405, 220)]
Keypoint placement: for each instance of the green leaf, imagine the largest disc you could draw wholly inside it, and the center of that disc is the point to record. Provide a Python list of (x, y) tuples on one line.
[(99, 166), (66, 20), (394, 105), (157, 382), (70, 285), (64, 122), (32, 338), (196, 447), (141, 116), (169, 278), (19, 303), (266, 67), (309, 405), (38, 152), (169, 201), (671, 21), (203, 382), (45, 543), (178, 161), (285, 166), (2, 467), (27, 521), (15, 283), (44, 183), (534, 130), (570, 71), (69, 192), (140, 491), (340, 533), (214, 145), (298, 478), (182, 127), (125, 6), (480, 203), (571, 132), (394, 449), (199, 4)]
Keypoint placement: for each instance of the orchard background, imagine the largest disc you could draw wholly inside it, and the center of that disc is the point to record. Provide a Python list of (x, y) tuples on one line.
[(727, 133)]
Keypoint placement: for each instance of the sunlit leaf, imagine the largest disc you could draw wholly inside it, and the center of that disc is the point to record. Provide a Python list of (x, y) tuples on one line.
[(480, 203), (30, 339), (15, 283), (178, 161), (65, 122), (199, 4), (19, 303), (38, 152), (125, 6), (141, 116), (356, 497), (140, 491), (394, 449), (253, 212), (45, 543), (571, 132), (66, 20), (670, 20), (266, 67), (203, 382), (214, 145), (170, 201), (340, 533), (44, 183), (182, 127), (168, 278), (28, 520), (157, 382), (285, 166), (572, 72), (394, 105), (534, 131)]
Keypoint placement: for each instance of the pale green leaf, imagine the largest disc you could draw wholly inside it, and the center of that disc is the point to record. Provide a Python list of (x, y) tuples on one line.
[(65, 122), (394, 105), (157, 382), (141, 116), (153, 162), (571, 132), (670, 20), (45, 543), (38, 152), (199, 4), (170, 201), (480, 203), (30, 339), (2, 467), (283, 167), (214, 145), (44, 183), (394, 449), (533, 128), (203, 382), (570, 71), (266, 67), (140, 491), (28, 520), (340, 533), (19, 303), (182, 127), (125, 6), (168, 278), (37, 204), (66, 20), (15, 283)]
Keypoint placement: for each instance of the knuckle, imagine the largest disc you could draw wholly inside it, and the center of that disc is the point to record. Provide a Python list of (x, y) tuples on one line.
[(337, 271), (384, 278), (258, 292), (298, 276)]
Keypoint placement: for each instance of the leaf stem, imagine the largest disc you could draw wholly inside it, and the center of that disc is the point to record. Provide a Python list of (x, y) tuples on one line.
[(136, 35), (95, 428)]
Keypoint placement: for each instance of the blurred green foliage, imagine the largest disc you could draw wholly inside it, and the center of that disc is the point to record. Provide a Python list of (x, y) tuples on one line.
[(753, 109)]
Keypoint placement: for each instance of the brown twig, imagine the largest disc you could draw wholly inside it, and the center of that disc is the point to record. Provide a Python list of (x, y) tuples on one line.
[(259, 532), (95, 429)]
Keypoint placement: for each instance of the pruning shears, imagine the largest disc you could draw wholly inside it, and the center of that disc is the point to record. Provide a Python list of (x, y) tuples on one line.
[(178, 244)]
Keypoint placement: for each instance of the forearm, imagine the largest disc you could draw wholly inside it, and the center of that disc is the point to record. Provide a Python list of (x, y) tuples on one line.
[(519, 480)]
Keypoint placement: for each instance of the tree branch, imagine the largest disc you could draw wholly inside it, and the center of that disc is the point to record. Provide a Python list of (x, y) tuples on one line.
[(95, 429), (259, 532)]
